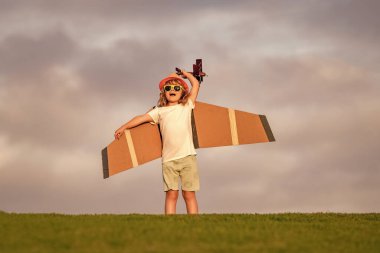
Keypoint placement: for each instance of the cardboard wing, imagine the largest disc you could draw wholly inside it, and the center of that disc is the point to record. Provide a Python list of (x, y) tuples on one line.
[(213, 126), (136, 146)]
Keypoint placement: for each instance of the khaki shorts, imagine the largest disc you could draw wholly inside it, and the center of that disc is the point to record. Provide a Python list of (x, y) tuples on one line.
[(185, 168)]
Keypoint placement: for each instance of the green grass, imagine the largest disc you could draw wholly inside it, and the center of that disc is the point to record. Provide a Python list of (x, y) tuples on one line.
[(287, 232)]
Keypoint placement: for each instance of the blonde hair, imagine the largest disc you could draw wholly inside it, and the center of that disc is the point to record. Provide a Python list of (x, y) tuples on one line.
[(162, 101)]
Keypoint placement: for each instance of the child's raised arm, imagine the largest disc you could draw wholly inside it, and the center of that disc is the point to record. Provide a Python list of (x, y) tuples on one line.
[(194, 85), (132, 123)]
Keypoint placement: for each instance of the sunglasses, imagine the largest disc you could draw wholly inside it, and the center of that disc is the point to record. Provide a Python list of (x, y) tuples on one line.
[(169, 87)]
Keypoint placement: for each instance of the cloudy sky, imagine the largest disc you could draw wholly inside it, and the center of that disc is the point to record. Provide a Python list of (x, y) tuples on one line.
[(71, 72)]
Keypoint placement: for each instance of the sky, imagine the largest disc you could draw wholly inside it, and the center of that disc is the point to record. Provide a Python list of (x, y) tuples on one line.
[(72, 72)]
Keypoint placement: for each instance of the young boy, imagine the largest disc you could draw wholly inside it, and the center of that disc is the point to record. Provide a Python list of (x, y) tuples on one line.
[(178, 154)]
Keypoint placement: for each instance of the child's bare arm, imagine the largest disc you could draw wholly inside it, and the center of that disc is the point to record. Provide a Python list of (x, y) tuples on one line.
[(194, 85), (132, 123)]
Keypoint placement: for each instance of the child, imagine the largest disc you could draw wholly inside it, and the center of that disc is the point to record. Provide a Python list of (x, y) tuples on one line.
[(178, 154)]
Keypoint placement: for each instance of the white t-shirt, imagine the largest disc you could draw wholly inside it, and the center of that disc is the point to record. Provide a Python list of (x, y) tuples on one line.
[(176, 131)]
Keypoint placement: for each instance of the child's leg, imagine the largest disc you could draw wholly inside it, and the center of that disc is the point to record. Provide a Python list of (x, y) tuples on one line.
[(171, 201), (191, 202)]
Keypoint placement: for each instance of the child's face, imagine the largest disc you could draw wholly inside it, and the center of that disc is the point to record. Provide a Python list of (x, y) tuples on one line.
[(173, 95)]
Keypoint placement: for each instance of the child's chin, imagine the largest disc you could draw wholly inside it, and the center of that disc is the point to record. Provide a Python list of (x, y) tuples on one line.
[(173, 100)]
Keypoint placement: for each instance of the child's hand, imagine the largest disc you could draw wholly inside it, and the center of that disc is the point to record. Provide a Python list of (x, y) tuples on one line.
[(118, 133), (184, 74)]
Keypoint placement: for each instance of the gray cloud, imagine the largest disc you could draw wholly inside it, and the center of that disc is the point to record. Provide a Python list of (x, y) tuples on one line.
[(130, 69), (51, 82), (26, 57)]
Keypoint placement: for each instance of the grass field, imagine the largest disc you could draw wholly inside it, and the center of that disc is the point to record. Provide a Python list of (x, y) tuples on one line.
[(287, 232)]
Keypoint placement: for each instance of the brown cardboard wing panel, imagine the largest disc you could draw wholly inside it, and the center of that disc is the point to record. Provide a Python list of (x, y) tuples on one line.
[(118, 156), (215, 126), (249, 128), (147, 142), (212, 125)]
